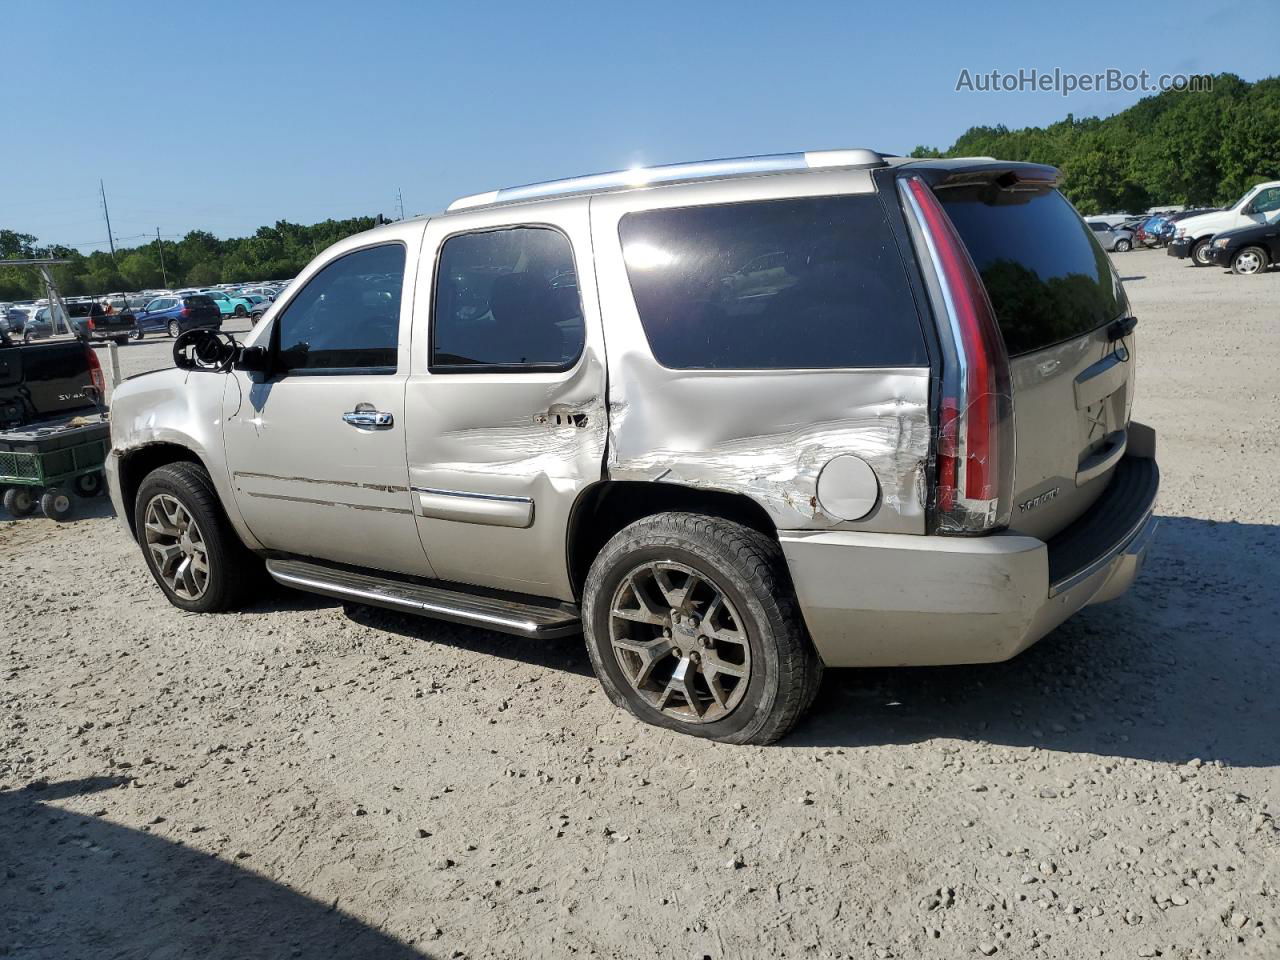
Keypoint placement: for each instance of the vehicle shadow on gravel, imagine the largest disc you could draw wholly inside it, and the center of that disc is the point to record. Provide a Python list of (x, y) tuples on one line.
[(1187, 665), (79, 886)]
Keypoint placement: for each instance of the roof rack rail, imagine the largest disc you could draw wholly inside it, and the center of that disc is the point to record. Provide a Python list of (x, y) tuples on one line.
[(675, 173)]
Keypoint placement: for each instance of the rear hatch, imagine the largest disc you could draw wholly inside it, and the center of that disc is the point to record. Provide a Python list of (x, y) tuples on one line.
[(44, 380), (1056, 298), (202, 310)]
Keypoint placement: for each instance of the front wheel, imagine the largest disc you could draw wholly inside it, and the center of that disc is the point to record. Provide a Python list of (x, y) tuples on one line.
[(1123, 246), (692, 625), (120, 341), (1249, 261), (56, 505), (187, 541), (138, 334), (1202, 252)]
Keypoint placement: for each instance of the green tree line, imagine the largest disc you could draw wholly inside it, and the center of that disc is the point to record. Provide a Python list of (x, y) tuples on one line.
[(1197, 149), (198, 259)]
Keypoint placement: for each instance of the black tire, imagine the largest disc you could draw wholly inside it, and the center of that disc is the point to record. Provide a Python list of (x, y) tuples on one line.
[(56, 504), (748, 569), (1123, 246), (88, 484), (120, 341), (27, 336), (138, 333), (233, 570), (1249, 262), (1202, 252), (174, 329), (240, 310), (19, 501)]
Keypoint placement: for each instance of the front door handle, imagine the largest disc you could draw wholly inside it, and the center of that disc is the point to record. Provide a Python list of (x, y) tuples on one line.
[(366, 417)]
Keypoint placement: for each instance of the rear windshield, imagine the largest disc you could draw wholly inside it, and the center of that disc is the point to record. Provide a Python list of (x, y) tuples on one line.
[(1047, 277), (804, 283)]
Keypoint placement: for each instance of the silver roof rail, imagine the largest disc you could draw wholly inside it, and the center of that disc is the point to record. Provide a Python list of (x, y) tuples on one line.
[(675, 173)]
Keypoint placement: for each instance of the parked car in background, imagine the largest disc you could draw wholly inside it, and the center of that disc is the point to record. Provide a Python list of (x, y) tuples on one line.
[(15, 319), (1115, 239), (563, 448), (258, 306), (1249, 250), (177, 314), (1194, 233), (227, 304)]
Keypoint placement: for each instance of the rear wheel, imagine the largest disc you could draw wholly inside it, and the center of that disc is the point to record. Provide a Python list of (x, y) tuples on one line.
[(88, 484), (1249, 261), (691, 625), (1202, 252), (19, 501), (240, 310), (189, 545), (174, 329), (120, 341), (1123, 245), (56, 504)]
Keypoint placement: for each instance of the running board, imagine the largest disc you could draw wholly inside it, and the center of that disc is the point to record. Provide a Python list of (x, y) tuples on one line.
[(505, 612)]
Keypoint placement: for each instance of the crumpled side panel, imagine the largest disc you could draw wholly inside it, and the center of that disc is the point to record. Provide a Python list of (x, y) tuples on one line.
[(768, 435)]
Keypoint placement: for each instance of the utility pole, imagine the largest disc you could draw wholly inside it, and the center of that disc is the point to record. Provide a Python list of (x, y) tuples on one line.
[(400, 200), (110, 239), (160, 246)]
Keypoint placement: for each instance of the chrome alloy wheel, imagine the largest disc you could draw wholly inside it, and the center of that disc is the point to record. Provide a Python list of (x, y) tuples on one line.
[(679, 642), (176, 544), (1249, 262)]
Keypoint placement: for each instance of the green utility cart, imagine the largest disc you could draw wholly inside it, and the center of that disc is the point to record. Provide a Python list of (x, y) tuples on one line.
[(44, 463)]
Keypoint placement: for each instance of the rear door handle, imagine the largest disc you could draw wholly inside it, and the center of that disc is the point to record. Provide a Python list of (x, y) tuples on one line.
[(366, 417)]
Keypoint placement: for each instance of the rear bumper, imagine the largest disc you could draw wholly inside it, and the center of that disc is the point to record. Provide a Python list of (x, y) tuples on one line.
[(893, 600)]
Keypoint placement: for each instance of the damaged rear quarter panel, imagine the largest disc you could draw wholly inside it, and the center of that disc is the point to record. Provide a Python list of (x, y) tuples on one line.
[(765, 434)]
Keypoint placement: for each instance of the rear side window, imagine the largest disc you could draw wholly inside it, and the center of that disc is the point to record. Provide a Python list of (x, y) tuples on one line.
[(347, 317), (1048, 278), (507, 299), (797, 283)]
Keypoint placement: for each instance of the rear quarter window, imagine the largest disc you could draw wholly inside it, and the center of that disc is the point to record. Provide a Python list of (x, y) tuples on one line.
[(813, 282), (1048, 278)]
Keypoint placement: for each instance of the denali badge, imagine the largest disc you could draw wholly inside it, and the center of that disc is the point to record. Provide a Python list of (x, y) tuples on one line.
[(1038, 500)]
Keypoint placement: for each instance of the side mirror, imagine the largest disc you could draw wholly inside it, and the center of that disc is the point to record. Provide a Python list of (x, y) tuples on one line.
[(253, 360)]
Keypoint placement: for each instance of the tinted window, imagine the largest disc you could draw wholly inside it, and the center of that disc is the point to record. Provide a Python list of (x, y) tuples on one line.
[(814, 282), (507, 298), (1047, 277), (1266, 201), (347, 316), (198, 301)]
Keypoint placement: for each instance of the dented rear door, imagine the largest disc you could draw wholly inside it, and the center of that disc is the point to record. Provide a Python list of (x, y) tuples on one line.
[(505, 404)]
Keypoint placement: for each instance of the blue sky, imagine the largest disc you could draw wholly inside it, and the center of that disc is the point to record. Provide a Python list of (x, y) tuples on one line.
[(225, 116)]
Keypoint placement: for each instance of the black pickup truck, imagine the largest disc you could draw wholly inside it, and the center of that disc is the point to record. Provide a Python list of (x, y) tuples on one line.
[(89, 321)]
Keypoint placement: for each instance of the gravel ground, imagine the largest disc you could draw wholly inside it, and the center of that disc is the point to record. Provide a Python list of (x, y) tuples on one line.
[(309, 780)]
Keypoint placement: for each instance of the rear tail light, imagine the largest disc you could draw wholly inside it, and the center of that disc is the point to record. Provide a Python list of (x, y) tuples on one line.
[(975, 448), (89, 325), (185, 312), (95, 373)]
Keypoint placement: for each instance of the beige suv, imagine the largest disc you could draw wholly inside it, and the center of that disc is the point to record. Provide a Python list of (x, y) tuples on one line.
[(733, 421)]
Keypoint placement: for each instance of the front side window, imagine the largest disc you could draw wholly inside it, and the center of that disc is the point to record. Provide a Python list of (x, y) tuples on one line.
[(808, 283), (347, 317), (506, 299), (1267, 201)]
